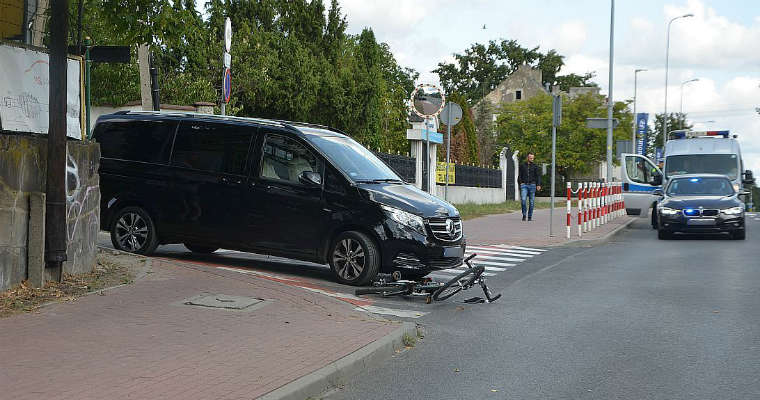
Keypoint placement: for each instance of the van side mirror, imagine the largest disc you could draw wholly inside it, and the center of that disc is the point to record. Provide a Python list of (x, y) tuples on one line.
[(310, 178), (748, 178), (658, 192)]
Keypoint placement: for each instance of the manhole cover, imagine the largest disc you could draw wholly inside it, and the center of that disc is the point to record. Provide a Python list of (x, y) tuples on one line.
[(224, 301)]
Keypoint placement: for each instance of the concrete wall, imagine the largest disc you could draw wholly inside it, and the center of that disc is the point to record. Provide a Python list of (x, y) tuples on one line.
[(466, 194), (23, 161)]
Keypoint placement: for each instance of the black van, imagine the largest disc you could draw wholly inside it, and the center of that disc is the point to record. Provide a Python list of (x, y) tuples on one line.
[(288, 189)]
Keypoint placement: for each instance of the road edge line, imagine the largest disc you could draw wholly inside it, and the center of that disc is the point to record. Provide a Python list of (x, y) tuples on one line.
[(340, 371), (595, 242)]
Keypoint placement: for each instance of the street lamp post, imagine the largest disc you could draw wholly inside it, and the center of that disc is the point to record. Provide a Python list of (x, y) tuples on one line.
[(667, 51), (633, 135), (609, 100), (682, 85)]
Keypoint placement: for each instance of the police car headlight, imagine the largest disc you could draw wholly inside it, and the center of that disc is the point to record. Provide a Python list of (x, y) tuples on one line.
[(668, 211), (407, 219), (733, 210)]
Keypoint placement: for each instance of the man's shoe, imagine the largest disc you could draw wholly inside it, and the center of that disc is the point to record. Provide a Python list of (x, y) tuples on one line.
[(530, 218), (523, 218)]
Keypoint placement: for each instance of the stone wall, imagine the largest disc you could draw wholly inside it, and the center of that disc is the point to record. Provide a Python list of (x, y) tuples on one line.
[(23, 161)]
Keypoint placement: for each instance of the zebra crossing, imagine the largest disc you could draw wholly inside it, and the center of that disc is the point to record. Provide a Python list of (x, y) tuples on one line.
[(495, 259)]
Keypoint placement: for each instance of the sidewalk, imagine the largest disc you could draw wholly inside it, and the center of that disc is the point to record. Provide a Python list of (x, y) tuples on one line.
[(141, 341), (510, 229)]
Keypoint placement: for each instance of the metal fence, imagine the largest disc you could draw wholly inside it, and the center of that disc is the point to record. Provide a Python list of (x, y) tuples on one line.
[(403, 166), (477, 177)]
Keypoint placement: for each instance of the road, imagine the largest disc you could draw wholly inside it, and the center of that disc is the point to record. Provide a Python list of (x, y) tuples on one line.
[(636, 318)]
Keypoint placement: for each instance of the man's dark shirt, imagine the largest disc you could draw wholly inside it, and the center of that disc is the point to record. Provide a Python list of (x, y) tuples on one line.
[(529, 174)]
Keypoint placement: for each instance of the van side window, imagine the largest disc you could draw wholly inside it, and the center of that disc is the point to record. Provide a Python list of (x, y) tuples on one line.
[(212, 147), (134, 140), (334, 183), (285, 159)]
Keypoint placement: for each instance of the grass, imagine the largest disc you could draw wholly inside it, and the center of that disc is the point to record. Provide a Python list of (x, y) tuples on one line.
[(409, 340), (471, 210), (24, 298)]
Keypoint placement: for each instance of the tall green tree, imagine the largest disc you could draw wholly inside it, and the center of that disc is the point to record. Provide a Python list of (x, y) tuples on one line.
[(675, 121), (483, 66), (526, 126)]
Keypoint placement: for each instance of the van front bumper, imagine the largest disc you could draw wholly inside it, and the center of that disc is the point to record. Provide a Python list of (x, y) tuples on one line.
[(411, 252)]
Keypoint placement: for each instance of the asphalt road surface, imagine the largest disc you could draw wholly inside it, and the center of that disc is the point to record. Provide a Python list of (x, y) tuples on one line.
[(637, 318)]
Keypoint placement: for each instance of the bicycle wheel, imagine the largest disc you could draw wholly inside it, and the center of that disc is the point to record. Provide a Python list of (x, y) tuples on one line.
[(383, 290), (452, 287)]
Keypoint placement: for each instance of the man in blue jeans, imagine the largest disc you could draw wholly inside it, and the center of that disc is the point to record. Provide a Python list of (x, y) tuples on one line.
[(529, 178)]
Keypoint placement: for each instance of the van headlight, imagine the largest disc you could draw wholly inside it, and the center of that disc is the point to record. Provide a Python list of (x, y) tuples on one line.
[(733, 210), (410, 220), (668, 211)]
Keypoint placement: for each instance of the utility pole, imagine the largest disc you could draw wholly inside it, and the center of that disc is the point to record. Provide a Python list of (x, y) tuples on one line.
[(609, 99), (143, 62), (667, 53), (55, 214), (635, 83)]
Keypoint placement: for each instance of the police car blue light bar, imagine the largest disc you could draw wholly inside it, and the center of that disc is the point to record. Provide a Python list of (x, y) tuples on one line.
[(695, 134)]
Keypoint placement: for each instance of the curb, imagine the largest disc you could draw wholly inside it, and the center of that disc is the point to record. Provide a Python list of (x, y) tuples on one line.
[(595, 242), (341, 371)]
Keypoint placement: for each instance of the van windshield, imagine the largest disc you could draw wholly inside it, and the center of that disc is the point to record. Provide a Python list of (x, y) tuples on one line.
[(360, 164), (723, 164)]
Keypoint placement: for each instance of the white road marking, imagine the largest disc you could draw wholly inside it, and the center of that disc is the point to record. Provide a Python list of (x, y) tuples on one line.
[(499, 252), (505, 246), (479, 257)]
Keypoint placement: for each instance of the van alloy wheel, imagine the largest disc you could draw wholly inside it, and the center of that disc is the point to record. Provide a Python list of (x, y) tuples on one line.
[(349, 259), (131, 232)]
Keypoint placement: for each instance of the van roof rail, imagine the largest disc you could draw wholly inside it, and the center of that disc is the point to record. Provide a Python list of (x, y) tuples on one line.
[(205, 116)]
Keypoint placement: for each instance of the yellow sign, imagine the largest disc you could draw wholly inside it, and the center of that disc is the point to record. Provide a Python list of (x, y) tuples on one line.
[(440, 173), (12, 19)]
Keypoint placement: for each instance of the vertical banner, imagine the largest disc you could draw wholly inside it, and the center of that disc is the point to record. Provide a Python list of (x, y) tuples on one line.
[(642, 127)]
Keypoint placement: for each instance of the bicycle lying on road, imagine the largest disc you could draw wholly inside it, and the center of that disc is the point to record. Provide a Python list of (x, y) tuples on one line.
[(387, 286)]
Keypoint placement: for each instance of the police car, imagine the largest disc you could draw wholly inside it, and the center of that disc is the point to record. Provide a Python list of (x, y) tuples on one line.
[(700, 203)]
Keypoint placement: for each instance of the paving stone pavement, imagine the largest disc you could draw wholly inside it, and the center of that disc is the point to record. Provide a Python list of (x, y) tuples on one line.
[(140, 341), (510, 229)]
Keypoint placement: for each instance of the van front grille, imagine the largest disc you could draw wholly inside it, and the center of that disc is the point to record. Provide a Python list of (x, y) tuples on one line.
[(447, 229)]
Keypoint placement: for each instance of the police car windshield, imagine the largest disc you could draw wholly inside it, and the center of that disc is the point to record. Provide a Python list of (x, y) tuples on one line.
[(723, 164), (700, 187)]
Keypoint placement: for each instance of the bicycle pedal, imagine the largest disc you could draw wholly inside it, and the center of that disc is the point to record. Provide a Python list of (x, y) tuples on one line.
[(475, 300)]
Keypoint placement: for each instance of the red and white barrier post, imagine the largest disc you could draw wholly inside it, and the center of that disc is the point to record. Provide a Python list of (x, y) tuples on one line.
[(569, 196), (580, 209), (585, 206)]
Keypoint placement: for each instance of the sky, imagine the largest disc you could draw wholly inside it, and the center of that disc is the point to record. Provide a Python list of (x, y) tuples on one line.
[(720, 46)]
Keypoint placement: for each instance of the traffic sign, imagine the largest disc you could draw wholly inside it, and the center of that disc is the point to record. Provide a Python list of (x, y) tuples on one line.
[(600, 123), (456, 114), (227, 85), (227, 34), (227, 59)]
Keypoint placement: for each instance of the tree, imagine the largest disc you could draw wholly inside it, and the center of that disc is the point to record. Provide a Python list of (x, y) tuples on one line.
[(483, 66), (484, 126), (291, 60), (675, 121), (464, 145), (526, 126)]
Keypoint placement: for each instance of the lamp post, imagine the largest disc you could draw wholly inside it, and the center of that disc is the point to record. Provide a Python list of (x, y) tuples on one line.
[(609, 100), (633, 135), (667, 51), (682, 85)]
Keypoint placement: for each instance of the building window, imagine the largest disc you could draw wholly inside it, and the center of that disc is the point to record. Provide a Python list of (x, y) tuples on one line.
[(518, 94)]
